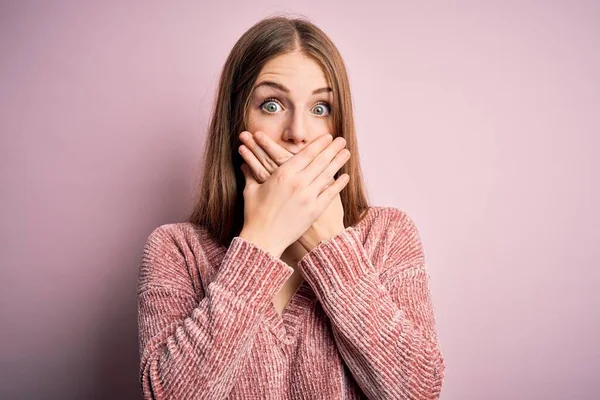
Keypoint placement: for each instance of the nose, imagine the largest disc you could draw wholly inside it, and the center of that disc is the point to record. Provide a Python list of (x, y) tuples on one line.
[(297, 130)]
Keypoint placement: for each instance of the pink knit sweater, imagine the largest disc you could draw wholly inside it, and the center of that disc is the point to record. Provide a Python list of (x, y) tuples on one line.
[(361, 325)]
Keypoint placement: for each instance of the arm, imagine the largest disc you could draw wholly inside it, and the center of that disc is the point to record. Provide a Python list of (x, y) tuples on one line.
[(383, 321), (191, 347)]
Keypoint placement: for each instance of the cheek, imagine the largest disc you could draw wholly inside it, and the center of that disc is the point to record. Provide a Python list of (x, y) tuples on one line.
[(329, 125), (323, 126), (271, 125)]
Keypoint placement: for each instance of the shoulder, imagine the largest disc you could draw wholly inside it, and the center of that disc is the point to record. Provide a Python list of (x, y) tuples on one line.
[(177, 255), (180, 241), (180, 233), (171, 236), (170, 231)]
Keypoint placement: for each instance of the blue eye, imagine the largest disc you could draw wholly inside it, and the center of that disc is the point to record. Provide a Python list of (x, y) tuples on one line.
[(270, 106), (323, 107)]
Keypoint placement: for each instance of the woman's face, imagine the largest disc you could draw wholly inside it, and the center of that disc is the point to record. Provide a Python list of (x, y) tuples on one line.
[(291, 102)]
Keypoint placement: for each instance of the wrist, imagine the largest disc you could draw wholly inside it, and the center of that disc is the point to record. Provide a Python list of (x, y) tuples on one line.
[(262, 242)]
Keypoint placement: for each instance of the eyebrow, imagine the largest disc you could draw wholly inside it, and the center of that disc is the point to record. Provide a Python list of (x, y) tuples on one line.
[(279, 86)]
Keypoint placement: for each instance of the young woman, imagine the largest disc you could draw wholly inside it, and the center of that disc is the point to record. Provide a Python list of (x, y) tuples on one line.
[(284, 283)]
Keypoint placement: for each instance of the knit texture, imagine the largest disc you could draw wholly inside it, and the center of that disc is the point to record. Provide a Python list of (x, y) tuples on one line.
[(361, 324)]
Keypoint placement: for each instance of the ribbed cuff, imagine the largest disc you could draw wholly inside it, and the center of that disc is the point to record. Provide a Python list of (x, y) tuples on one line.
[(338, 263), (252, 272)]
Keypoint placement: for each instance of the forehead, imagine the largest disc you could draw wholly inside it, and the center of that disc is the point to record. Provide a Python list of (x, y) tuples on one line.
[(294, 70)]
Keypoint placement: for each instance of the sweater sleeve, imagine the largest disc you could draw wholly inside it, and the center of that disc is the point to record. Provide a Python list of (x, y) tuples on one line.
[(383, 321), (191, 346)]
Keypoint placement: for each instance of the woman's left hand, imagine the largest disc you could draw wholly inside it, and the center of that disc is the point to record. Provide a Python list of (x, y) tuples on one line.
[(263, 156)]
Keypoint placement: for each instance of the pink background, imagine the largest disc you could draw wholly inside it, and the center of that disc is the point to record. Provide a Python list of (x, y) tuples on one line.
[(480, 119)]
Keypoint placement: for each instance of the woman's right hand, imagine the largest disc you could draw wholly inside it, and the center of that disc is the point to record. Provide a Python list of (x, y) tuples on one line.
[(278, 211)]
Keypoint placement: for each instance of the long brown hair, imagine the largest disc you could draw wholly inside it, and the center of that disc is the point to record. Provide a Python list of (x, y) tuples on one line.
[(219, 204)]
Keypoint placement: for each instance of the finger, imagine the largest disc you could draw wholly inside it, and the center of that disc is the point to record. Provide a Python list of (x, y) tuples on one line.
[(324, 180), (323, 159), (256, 167), (307, 154), (273, 149), (261, 155), (328, 194)]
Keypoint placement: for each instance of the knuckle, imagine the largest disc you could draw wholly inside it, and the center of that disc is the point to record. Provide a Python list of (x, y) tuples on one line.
[(295, 182), (263, 176), (272, 164), (280, 175), (305, 199)]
